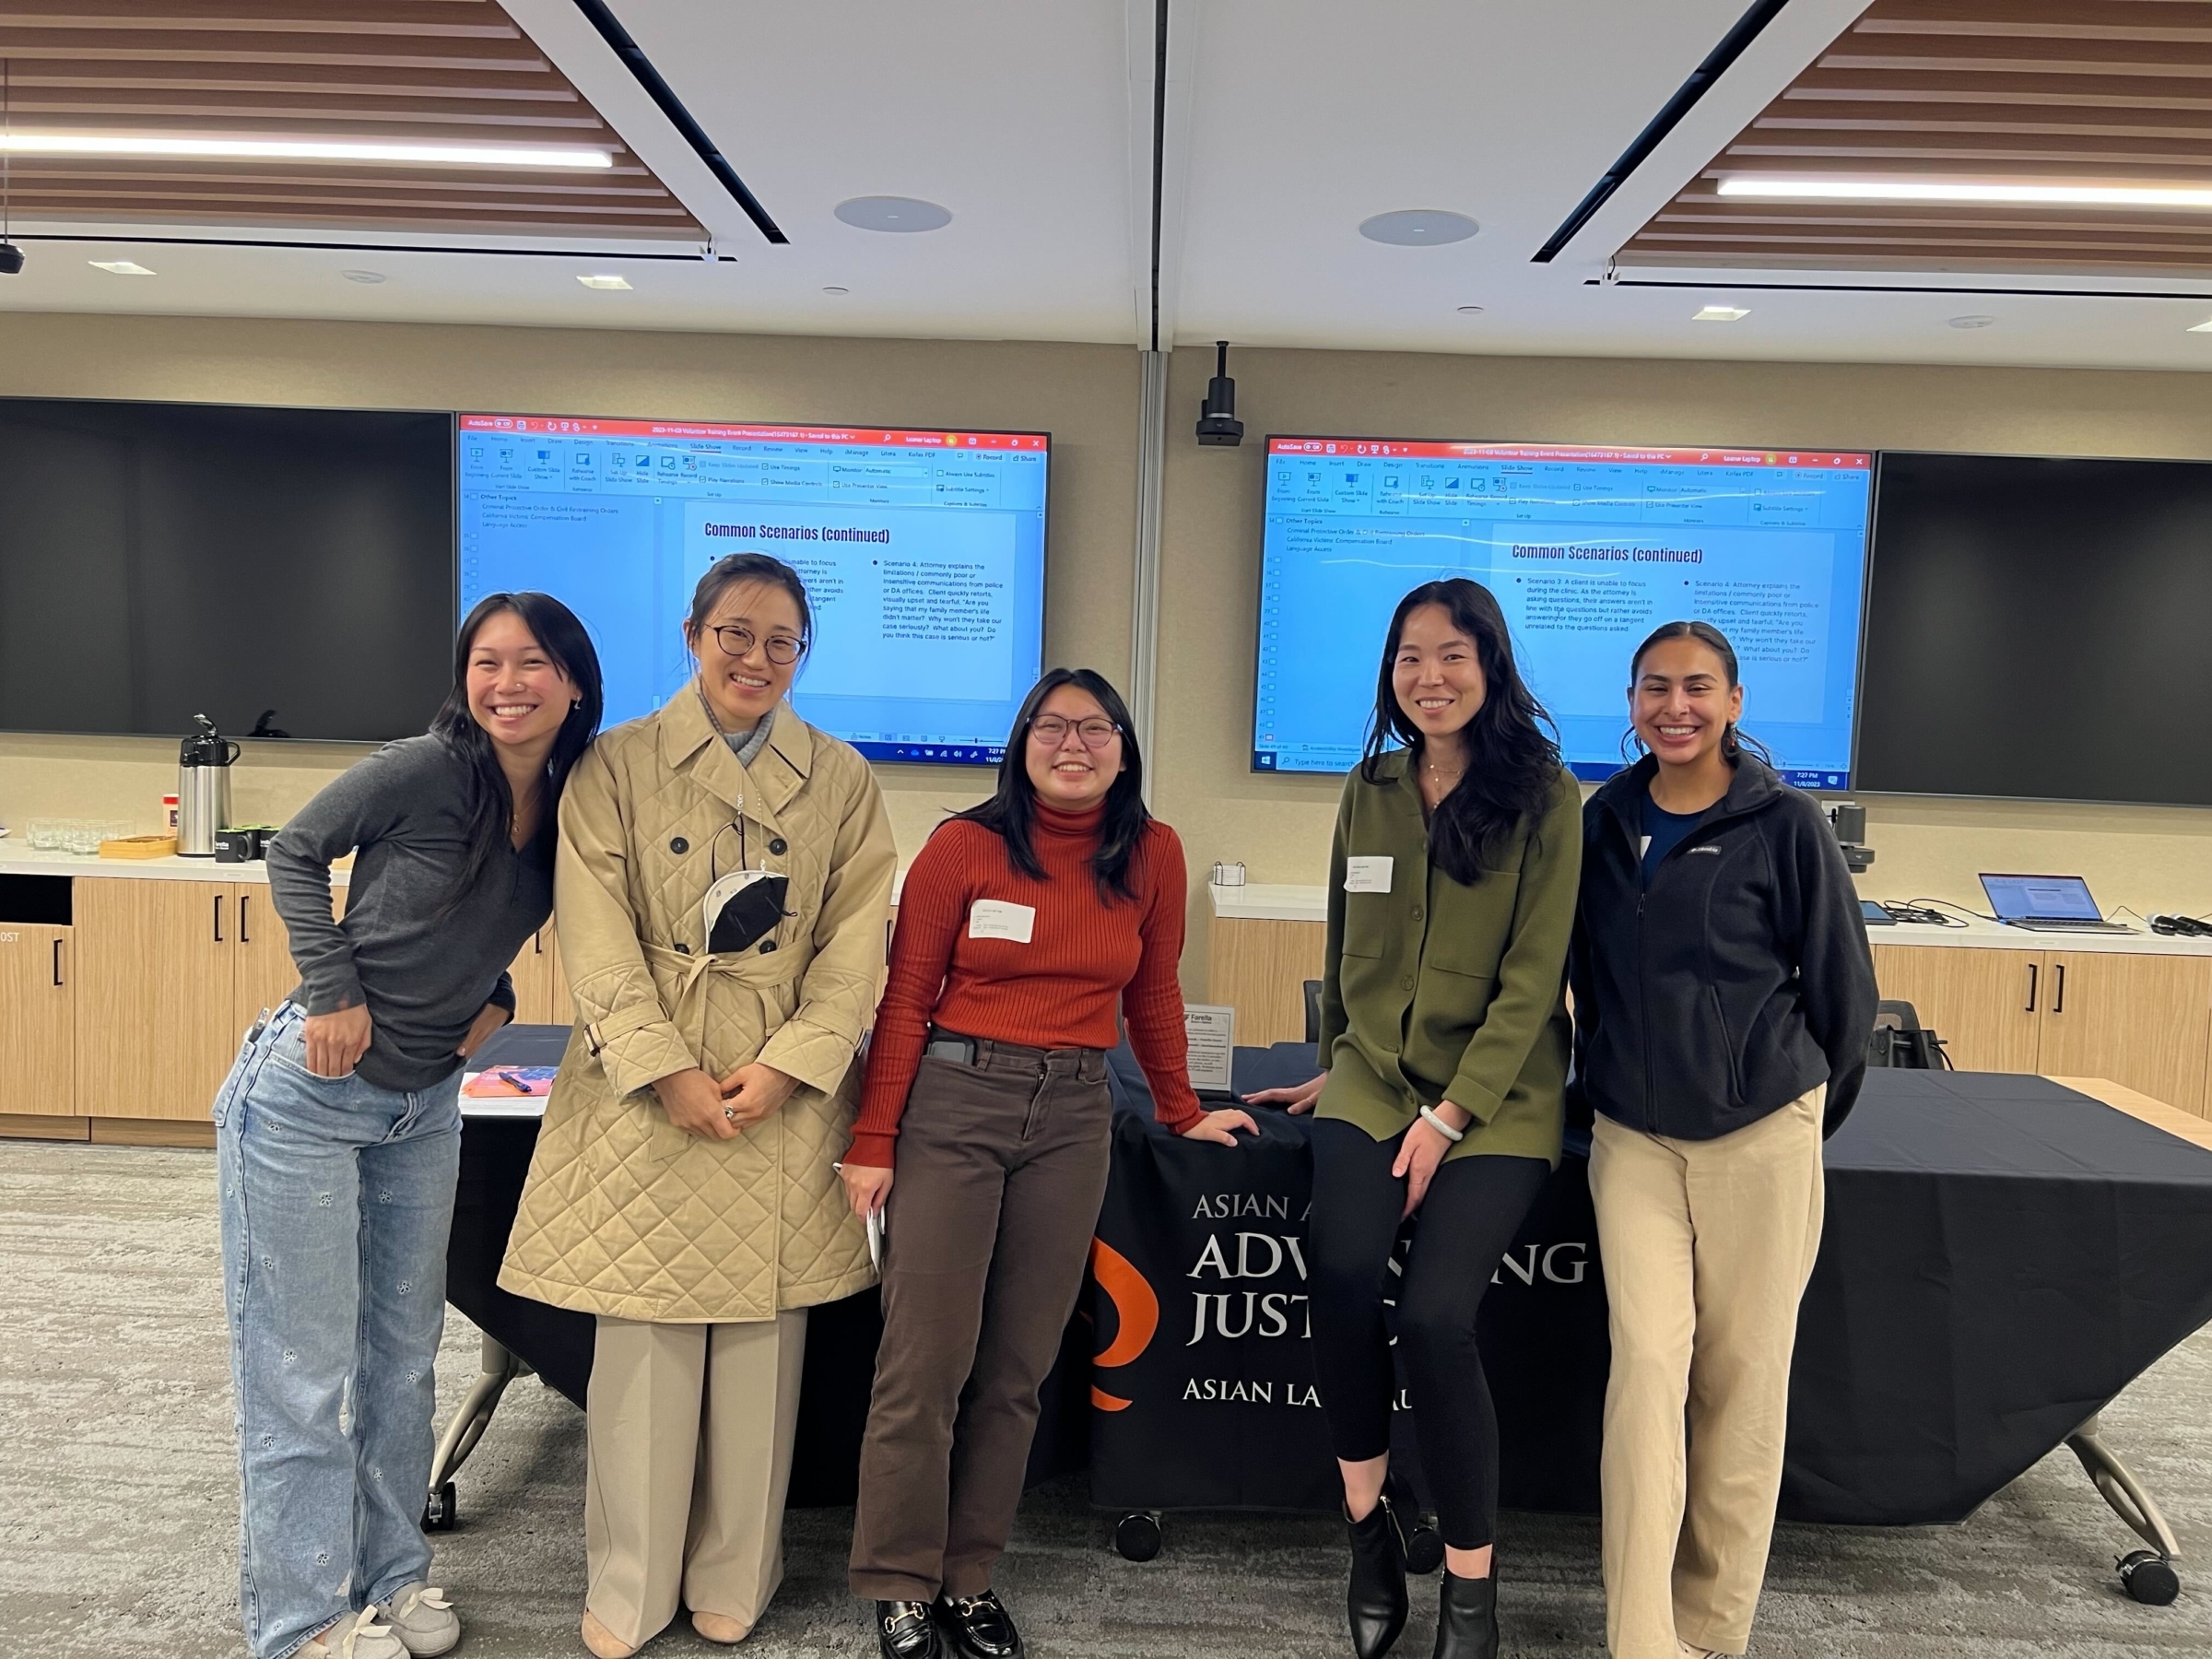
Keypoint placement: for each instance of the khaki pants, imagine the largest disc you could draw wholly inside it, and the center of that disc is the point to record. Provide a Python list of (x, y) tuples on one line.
[(689, 1429), (1707, 1248), (1002, 1167)]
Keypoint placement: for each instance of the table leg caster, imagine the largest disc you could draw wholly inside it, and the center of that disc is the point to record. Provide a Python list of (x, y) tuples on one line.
[(1136, 1536), (444, 1508), (2150, 1578)]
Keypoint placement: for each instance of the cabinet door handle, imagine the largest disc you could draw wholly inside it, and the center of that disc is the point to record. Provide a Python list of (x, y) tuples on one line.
[(2031, 1008), (219, 918), (2058, 1004), (243, 938), (57, 961), (537, 941)]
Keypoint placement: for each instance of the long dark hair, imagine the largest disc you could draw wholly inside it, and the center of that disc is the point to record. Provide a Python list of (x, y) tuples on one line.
[(491, 804), (1512, 765), (1012, 810), (1733, 742)]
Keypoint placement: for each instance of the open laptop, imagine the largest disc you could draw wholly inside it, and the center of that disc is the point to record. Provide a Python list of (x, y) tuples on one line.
[(2047, 904)]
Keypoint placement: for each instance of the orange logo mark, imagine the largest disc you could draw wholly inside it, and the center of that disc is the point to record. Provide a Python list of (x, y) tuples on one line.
[(1137, 1311)]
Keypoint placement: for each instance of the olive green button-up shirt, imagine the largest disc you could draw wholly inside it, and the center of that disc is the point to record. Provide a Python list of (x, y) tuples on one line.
[(1437, 990)]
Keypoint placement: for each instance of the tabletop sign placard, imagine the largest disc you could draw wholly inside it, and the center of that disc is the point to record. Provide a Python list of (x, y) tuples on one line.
[(1211, 1032)]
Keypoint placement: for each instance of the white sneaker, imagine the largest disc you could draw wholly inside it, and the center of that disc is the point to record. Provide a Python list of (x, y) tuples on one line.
[(356, 1636), (422, 1619)]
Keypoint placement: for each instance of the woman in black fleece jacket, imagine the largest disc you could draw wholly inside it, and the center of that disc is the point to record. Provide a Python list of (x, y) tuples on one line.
[(1723, 993)]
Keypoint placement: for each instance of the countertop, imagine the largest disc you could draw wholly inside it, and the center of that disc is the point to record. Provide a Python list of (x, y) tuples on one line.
[(1276, 901), (17, 860)]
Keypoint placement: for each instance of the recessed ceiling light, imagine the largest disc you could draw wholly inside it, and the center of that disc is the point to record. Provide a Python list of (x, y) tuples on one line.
[(1972, 321), (1721, 314), (1470, 310), (305, 149), (121, 267), (837, 291), (893, 213), (1419, 228), (1779, 186), (363, 277), (605, 282)]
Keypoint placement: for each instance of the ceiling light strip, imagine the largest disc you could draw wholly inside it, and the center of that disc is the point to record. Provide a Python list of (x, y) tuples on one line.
[(1732, 46), (1893, 287), (641, 70), (305, 149), (1771, 187), (688, 256)]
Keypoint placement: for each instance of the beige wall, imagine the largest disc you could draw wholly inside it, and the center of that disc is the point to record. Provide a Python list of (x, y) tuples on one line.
[(1085, 395), (1279, 826)]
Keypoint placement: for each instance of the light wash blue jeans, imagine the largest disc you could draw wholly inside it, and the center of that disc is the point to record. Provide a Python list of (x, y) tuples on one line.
[(337, 1200)]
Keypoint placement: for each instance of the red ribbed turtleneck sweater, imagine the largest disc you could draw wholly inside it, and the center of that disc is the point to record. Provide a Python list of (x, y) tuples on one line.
[(1057, 991)]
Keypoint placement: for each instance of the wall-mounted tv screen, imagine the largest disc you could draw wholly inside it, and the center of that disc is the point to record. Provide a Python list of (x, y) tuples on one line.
[(1587, 549), (2036, 629), (922, 553), (286, 572)]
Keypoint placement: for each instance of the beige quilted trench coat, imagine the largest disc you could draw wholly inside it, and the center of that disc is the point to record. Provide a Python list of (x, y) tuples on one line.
[(623, 1212)]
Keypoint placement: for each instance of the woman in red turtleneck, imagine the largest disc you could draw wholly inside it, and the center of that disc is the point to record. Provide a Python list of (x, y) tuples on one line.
[(1023, 922)]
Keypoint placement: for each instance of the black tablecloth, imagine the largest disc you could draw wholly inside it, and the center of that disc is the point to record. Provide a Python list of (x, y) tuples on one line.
[(841, 1337), (2002, 1257)]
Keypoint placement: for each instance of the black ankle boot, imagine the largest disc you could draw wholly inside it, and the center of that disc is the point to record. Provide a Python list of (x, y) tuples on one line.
[(1375, 1599), (1466, 1618)]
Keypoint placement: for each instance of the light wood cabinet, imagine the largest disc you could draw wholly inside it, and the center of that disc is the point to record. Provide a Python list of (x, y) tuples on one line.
[(529, 974), (2144, 1021), (38, 1023), (262, 971), (1259, 968), (1985, 1005), (2141, 1021), (155, 1032)]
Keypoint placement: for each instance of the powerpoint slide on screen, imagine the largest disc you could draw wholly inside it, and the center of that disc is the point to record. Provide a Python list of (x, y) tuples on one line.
[(922, 553), (1588, 550)]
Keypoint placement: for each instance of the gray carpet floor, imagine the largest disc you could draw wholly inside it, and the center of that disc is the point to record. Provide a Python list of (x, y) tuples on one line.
[(118, 1502)]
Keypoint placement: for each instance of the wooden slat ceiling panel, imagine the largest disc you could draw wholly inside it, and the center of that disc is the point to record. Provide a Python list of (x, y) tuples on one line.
[(2034, 91), (420, 70)]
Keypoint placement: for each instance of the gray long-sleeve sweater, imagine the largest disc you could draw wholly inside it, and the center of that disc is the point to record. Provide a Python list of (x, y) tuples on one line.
[(425, 972)]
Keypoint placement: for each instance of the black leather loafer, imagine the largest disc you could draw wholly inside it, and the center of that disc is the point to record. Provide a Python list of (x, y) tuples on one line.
[(1374, 1598), (980, 1626), (905, 1631)]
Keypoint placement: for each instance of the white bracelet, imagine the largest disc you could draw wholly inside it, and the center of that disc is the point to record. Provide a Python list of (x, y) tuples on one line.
[(1441, 1127)]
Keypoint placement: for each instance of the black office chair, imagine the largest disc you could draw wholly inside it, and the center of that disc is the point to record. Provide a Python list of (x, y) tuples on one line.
[(1900, 1039), (1312, 1010)]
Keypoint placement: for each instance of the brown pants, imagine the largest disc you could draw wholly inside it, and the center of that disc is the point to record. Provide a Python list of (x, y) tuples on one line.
[(1001, 1171), (689, 1430), (1707, 1247)]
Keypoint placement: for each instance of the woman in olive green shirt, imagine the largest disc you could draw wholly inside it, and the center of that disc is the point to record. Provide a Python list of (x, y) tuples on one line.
[(1444, 1033)]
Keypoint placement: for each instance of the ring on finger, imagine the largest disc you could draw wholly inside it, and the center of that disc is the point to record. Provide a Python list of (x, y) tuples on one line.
[(729, 1114)]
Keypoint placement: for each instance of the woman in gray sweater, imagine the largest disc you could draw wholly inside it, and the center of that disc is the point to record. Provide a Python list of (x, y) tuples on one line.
[(339, 1132)]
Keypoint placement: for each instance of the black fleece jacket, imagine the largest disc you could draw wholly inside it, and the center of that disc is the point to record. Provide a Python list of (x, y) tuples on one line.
[(1733, 982)]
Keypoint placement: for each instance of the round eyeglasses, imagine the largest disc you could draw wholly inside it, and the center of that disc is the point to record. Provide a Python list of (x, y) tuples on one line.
[(1052, 731), (782, 650)]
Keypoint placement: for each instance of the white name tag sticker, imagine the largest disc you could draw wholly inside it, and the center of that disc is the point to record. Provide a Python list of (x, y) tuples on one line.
[(997, 919), (1367, 875)]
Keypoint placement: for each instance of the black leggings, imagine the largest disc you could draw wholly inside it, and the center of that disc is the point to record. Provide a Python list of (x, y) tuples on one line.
[(1474, 1207)]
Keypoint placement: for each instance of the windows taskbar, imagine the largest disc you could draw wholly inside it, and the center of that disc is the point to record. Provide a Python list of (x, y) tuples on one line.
[(1587, 771), (933, 754)]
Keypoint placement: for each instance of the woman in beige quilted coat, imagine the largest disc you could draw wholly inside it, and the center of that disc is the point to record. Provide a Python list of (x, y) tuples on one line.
[(683, 1187)]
